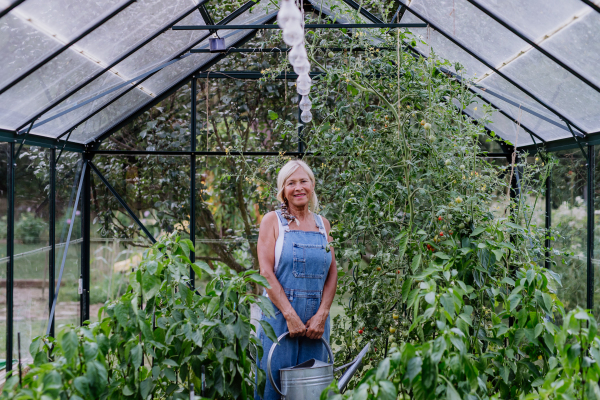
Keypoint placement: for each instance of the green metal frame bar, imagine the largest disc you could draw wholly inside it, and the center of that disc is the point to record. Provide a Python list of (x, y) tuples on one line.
[(10, 249), (306, 26), (84, 308), (41, 141), (591, 164), (52, 237), (193, 133), (121, 201)]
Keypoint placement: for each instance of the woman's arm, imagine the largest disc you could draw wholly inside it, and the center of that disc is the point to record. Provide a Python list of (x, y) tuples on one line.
[(316, 325), (267, 237)]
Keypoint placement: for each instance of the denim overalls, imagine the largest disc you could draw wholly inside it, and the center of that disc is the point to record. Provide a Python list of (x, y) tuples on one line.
[(302, 270)]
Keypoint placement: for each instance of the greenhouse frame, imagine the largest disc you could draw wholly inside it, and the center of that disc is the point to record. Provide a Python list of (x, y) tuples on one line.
[(63, 88)]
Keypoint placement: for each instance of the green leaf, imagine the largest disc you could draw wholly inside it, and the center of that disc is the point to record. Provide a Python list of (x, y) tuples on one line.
[(200, 266), (135, 355), (478, 231), (152, 267), (81, 383), (441, 255), (416, 262), (383, 369), (413, 368), (451, 393), (273, 115), (146, 387), (69, 344), (352, 90), (266, 306), (169, 362), (213, 306), (189, 243), (582, 315), (402, 245), (97, 376), (387, 391), (268, 329), (150, 285), (90, 351), (406, 288), (228, 331), (539, 328), (259, 279)]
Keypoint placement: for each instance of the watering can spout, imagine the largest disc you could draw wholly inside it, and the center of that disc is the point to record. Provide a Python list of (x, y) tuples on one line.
[(352, 367)]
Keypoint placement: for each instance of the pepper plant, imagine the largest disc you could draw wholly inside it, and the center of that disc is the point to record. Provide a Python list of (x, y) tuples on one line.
[(158, 339)]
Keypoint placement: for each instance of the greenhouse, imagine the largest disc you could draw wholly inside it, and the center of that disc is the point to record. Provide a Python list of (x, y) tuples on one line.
[(144, 147)]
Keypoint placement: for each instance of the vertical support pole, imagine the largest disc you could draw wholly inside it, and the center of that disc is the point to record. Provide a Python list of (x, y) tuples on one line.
[(548, 217), (52, 236), (10, 248), (85, 245), (300, 128), (590, 227), (193, 132)]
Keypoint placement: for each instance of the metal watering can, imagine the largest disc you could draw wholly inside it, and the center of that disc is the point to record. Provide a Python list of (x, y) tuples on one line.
[(306, 381)]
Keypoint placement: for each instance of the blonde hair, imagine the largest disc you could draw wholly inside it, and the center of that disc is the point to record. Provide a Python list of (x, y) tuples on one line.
[(286, 171)]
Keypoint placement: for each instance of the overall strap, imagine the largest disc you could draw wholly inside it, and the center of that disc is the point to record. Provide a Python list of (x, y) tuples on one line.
[(282, 221), (320, 224)]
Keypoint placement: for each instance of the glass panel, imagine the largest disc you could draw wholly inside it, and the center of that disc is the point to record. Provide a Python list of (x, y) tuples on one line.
[(38, 27), (463, 21), (578, 46), (107, 117), (43, 86), (544, 129), (134, 24), (68, 173), (21, 46), (31, 251), (557, 87), (569, 219), (536, 18), (160, 204), (502, 126)]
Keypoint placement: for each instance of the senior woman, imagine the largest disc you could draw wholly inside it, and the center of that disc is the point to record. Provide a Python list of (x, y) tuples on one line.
[(296, 260)]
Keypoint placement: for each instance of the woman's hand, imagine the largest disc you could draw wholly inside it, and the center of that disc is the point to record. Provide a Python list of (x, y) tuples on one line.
[(316, 325), (295, 325)]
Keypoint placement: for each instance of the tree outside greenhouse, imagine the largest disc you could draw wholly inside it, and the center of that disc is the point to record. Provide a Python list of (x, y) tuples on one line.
[(463, 231)]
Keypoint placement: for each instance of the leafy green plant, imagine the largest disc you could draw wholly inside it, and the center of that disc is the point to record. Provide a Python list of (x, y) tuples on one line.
[(29, 228), (158, 339)]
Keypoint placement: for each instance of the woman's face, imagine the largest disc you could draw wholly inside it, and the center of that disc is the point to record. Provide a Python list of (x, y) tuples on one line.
[(298, 188)]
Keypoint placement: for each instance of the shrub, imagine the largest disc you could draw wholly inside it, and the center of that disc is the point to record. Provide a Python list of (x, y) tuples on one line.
[(29, 228)]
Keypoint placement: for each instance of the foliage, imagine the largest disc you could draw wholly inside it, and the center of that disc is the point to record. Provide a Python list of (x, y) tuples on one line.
[(443, 369), (29, 228), (123, 356)]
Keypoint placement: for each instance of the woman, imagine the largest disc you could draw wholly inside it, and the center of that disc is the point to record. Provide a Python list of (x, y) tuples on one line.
[(295, 258)]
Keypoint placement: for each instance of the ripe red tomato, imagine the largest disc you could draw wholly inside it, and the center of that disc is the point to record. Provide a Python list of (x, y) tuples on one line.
[(439, 218), (441, 233), (360, 331)]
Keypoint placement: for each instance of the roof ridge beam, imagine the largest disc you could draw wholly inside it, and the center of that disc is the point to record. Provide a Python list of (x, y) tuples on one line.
[(545, 52), (66, 46), (113, 63), (490, 66)]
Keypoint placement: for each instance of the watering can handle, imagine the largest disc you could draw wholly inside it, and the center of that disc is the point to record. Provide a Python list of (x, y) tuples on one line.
[(273, 350)]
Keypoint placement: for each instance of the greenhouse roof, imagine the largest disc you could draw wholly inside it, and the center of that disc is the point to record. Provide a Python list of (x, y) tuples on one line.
[(75, 71)]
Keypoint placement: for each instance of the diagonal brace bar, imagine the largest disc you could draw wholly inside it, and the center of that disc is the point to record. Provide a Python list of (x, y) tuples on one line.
[(62, 265), (578, 143), (123, 203)]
